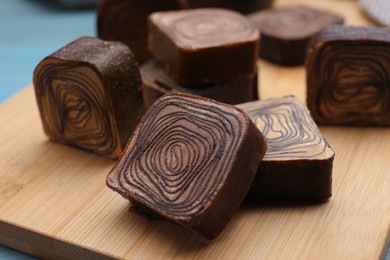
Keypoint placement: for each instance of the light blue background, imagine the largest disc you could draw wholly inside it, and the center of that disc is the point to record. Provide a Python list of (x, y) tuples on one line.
[(29, 31)]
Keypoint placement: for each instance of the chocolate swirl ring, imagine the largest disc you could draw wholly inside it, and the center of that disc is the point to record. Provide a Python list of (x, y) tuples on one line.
[(75, 107), (349, 83), (208, 27), (290, 131), (182, 154)]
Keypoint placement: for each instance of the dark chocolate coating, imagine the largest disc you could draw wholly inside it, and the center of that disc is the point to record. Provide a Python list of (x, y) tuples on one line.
[(89, 95), (298, 162), (191, 160), (286, 32), (242, 6), (348, 76), (203, 46), (156, 83), (126, 21)]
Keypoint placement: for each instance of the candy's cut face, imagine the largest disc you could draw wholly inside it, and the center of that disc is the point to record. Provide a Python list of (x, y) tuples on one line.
[(353, 83), (75, 108), (348, 76), (190, 160), (179, 157), (290, 131)]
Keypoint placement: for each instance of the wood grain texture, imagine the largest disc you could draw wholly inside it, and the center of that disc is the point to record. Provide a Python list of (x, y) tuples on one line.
[(54, 202)]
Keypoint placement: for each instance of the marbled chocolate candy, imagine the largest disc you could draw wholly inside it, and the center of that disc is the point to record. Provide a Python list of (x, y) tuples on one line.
[(157, 83), (126, 21), (242, 6), (298, 162), (191, 160), (88, 94), (204, 46), (348, 76), (286, 32)]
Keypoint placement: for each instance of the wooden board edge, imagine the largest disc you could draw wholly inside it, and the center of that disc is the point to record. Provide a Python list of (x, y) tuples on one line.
[(39, 245)]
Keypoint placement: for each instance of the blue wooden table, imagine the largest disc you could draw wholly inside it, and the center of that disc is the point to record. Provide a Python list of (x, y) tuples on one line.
[(29, 31)]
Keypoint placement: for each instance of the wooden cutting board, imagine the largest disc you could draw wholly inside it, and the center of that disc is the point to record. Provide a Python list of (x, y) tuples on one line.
[(54, 202)]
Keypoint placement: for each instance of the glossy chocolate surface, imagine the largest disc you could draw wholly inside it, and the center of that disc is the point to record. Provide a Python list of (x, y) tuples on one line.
[(126, 21), (191, 160), (286, 32), (88, 94), (157, 83), (348, 76), (204, 46), (298, 162)]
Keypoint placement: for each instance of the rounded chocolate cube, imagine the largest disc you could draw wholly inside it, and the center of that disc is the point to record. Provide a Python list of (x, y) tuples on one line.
[(348, 76), (286, 32), (89, 95), (191, 160), (203, 46)]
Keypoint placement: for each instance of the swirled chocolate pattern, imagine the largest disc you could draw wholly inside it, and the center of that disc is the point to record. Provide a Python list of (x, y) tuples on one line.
[(298, 163), (347, 76), (75, 97), (286, 32), (76, 108), (185, 160), (289, 129), (194, 45)]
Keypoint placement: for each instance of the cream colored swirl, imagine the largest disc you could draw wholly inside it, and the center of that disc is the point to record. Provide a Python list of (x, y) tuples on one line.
[(290, 131), (349, 84), (181, 155), (75, 108)]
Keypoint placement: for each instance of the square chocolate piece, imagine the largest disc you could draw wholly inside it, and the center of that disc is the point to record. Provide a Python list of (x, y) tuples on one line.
[(89, 95), (156, 83), (286, 32), (298, 162), (348, 79), (203, 46), (191, 160)]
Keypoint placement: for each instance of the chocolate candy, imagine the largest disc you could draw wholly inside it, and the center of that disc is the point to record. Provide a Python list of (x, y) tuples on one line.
[(286, 32), (156, 83), (204, 46), (191, 160), (126, 21), (89, 95), (348, 76), (247, 6), (298, 162)]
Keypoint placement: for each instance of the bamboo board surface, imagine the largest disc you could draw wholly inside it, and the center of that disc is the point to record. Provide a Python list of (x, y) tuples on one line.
[(54, 202)]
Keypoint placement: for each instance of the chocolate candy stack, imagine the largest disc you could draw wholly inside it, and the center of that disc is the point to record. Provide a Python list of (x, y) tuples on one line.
[(208, 52)]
